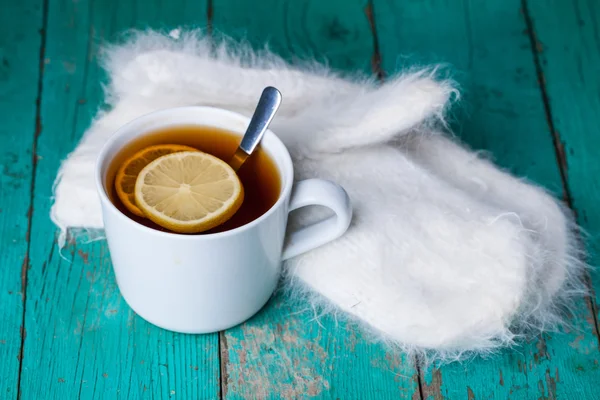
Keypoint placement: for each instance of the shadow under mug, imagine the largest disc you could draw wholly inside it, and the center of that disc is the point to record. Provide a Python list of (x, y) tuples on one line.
[(207, 283)]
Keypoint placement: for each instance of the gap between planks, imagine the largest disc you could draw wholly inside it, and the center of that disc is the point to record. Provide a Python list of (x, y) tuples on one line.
[(36, 135), (559, 153), (209, 17), (376, 59), (379, 73)]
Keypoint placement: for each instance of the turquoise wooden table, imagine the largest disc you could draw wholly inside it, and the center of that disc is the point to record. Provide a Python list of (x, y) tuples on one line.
[(530, 74)]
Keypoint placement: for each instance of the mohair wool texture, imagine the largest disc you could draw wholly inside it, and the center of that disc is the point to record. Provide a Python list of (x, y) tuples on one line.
[(447, 255)]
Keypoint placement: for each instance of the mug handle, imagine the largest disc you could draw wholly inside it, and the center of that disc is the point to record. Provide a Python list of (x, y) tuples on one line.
[(318, 192)]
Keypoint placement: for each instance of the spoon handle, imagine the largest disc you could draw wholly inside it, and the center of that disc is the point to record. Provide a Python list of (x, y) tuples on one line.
[(263, 115)]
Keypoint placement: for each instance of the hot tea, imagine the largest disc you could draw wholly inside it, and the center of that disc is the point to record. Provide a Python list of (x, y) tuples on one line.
[(259, 174)]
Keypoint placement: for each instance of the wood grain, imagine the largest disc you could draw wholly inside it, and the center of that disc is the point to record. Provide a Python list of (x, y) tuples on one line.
[(20, 41), (285, 352), (83, 341), (488, 48)]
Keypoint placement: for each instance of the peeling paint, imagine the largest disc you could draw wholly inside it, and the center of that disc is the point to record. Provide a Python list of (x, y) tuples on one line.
[(470, 394), (84, 256), (282, 370), (434, 388), (542, 351), (551, 384), (576, 343)]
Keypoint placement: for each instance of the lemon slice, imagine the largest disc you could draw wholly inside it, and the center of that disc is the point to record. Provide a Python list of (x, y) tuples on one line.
[(188, 192), (129, 170)]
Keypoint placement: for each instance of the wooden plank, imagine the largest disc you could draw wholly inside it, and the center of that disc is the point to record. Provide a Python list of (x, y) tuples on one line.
[(20, 41), (488, 46), (335, 32), (567, 37), (284, 352), (82, 340)]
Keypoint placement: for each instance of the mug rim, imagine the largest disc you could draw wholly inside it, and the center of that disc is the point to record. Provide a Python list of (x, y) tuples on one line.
[(270, 141)]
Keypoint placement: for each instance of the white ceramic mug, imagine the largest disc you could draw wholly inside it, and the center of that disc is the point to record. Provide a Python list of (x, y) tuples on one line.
[(206, 283)]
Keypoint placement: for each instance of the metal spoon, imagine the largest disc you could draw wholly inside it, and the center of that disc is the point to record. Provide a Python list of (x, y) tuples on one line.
[(263, 115)]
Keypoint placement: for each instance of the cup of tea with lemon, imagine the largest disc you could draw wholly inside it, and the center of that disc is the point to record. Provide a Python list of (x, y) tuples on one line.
[(195, 203)]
